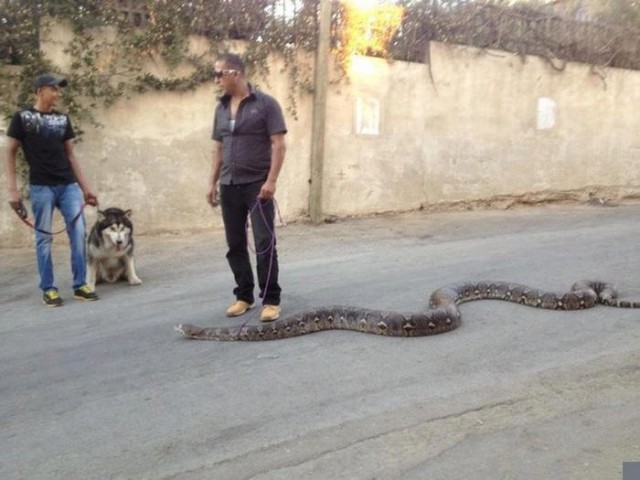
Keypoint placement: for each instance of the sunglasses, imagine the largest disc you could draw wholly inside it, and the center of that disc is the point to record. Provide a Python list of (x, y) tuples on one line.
[(220, 73)]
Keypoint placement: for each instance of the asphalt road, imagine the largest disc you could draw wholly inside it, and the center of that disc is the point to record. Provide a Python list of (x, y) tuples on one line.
[(108, 390)]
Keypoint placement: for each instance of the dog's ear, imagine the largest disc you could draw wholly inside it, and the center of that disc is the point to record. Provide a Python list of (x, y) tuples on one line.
[(128, 213), (101, 215)]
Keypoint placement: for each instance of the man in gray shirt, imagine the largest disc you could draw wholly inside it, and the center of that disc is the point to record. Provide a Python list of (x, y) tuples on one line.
[(248, 152)]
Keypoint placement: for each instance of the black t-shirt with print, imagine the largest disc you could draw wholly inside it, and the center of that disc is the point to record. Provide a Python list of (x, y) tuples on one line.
[(42, 136)]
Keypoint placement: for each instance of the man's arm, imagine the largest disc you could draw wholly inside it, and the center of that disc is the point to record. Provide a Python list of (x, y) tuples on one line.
[(216, 166), (278, 149), (89, 196), (10, 168)]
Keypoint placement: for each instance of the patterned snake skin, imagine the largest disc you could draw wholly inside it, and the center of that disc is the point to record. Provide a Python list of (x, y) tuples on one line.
[(443, 314)]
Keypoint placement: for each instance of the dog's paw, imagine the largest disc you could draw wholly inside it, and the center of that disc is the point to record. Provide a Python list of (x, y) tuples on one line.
[(135, 281)]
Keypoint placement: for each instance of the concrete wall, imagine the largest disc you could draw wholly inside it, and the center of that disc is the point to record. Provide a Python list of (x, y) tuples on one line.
[(467, 128), (467, 131)]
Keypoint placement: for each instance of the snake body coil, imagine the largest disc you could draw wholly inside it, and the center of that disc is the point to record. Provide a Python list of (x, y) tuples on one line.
[(442, 316)]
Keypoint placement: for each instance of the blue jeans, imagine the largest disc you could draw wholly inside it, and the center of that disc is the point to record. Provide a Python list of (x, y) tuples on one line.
[(69, 200), (238, 202)]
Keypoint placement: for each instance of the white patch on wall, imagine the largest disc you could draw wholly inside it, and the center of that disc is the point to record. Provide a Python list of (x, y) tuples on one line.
[(546, 113), (367, 121)]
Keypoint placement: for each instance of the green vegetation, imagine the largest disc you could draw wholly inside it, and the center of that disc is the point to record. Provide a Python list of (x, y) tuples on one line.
[(102, 70)]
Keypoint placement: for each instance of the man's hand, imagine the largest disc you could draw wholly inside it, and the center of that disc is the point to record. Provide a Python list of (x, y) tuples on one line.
[(14, 198), (90, 199), (268, 190), (212, 197), (19, 208)]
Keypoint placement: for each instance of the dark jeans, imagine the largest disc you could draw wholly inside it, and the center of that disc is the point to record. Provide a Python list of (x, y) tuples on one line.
[(237, 203)]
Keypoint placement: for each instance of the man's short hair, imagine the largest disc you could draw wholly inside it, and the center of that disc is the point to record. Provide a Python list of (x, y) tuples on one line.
[(232, 61)]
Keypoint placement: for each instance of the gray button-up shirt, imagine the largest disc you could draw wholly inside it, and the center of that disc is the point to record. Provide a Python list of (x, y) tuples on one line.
[(246, 146)]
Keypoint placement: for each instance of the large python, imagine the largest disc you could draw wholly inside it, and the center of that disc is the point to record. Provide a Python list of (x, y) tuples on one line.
[(443, 314)]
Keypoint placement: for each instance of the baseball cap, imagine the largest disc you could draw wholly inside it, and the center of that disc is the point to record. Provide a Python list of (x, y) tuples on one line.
[(48, 79)]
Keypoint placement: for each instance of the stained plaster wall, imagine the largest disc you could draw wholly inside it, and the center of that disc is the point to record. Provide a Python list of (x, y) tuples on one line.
[(462, 128), (465, 129)]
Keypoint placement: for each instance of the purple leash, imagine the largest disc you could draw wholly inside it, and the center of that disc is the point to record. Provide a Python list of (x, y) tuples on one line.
[(271, 248)]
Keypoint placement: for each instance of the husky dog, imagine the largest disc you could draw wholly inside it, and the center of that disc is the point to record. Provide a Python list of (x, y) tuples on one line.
[(110, 249)]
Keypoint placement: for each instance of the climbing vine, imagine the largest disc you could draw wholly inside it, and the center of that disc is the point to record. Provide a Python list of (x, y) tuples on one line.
[(112, 40)]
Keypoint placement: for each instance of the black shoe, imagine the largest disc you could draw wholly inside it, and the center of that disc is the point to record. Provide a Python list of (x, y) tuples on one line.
[(51, 298), (85, 293)]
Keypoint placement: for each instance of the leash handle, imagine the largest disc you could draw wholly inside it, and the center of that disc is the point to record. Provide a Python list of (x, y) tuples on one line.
[(21, 210), (277, 216)]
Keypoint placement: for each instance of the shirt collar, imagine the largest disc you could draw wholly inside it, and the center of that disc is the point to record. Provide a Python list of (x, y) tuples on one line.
[(226, 98)]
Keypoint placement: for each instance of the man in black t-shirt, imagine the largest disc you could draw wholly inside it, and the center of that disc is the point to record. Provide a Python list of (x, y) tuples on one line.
[(55, 181)]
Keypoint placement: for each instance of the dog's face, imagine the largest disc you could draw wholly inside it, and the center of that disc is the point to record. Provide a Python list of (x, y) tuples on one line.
[(118, 235), (115, 227)]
